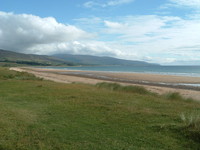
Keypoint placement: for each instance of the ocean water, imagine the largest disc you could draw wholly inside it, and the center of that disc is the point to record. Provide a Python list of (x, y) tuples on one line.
[(193, 71)]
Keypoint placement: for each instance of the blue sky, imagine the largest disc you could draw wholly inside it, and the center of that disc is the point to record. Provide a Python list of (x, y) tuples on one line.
[(157, 31)]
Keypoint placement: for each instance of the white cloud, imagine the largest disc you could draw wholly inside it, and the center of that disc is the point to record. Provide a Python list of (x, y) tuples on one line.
[(77, 47), (152, 38), (187, 3), (23, 32), (192, 4), (32, 34), (91, 4), (118, 2), (114, 25)]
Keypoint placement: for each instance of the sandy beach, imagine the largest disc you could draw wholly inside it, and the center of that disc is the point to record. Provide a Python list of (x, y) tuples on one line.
[(160, 84)]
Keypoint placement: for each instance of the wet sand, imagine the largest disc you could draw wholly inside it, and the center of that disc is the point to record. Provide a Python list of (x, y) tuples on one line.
[(160, 84)]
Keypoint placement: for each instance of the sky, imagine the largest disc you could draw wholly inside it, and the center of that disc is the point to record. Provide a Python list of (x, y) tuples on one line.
[(156, 31)]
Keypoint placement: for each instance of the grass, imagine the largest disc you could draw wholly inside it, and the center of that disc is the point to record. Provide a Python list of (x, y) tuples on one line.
[(191, 120), (37, 114), (118, 87), (7, 75)]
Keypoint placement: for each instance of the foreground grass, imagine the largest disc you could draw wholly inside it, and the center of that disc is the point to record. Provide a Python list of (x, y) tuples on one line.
[(36, 114)]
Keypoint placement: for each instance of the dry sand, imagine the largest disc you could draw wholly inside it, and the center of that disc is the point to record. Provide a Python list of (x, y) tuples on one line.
[(152, 82)]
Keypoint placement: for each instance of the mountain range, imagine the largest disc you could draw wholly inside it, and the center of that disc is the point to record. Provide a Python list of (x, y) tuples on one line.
[(96, 60), (10, 57)]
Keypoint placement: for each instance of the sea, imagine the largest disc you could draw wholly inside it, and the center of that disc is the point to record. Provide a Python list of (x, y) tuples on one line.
[(192, 71)]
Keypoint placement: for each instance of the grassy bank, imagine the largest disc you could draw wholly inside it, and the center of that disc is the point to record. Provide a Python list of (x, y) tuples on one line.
[(37, 114)]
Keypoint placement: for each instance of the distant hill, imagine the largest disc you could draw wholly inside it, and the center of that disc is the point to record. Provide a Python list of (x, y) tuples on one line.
[(95, 60), (10, 57)]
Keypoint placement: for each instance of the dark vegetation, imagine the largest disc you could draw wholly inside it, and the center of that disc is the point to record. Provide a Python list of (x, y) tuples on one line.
[(37, 114), (118, 87), (8, 58)]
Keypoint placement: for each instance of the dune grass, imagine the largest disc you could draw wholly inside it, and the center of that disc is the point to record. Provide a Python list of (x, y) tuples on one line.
[(118, 87), (6, 74), (37, 114)]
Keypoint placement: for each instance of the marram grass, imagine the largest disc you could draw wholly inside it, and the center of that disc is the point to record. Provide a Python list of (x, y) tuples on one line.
[(118, 87)]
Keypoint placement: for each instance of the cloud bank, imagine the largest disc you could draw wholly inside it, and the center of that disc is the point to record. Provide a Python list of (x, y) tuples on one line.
[(152, 38), (33, 34), (24, 32)]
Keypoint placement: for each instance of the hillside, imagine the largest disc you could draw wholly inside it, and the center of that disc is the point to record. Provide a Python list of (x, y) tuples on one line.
[(43, 115), (95, 60), (9, 57), (30, 59)]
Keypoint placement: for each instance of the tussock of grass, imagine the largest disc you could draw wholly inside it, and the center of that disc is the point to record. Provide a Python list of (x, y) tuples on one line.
[(192, 124), (191, 120), (173, 96), (176, 96), (118, 87)]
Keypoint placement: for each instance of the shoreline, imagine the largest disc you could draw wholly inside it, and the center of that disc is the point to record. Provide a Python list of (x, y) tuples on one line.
[(160, 84), (187, 85), (76, 68)]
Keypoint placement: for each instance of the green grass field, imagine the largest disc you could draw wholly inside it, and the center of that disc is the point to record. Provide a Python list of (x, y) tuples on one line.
[(37, 114)]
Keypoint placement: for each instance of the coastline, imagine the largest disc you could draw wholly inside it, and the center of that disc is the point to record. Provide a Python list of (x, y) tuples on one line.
[(188, 71), (157, 83)]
